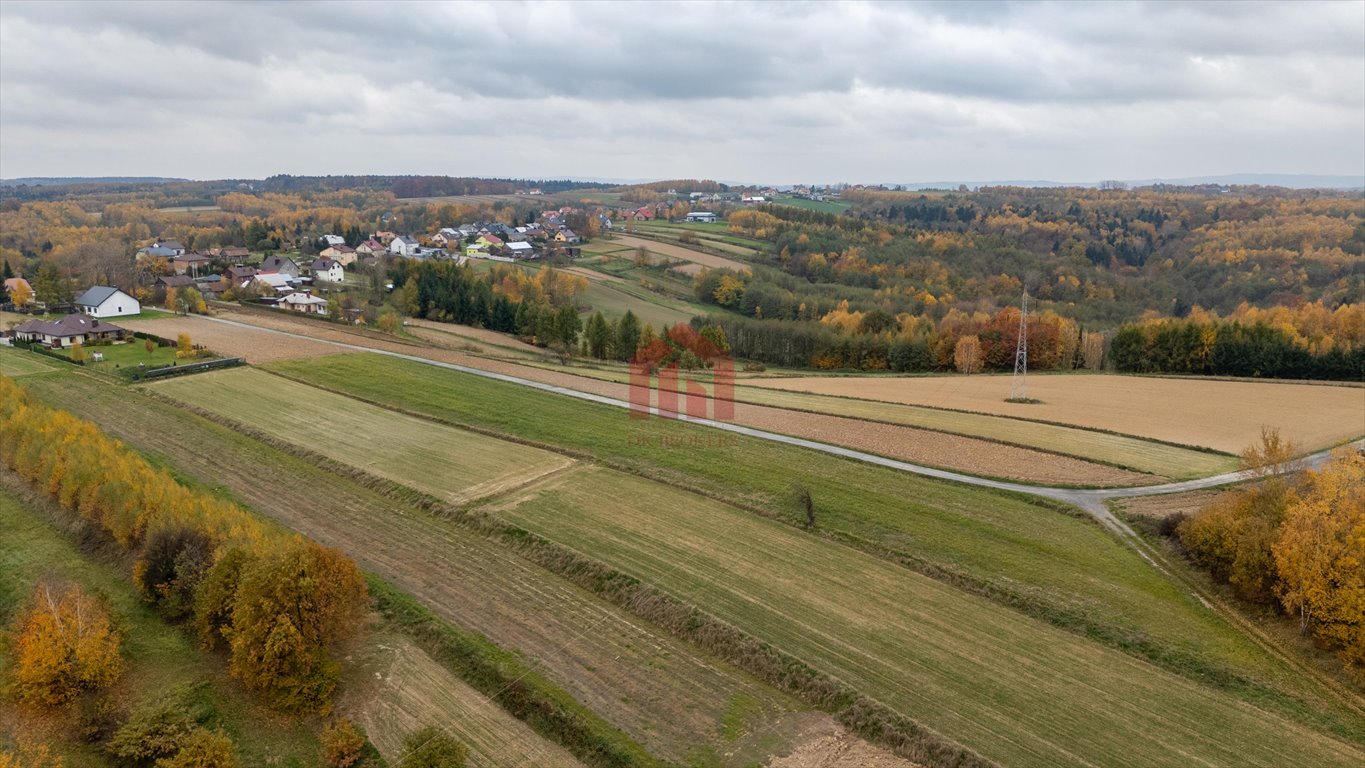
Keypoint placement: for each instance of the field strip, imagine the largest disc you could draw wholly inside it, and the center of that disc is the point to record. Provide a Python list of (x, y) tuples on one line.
[(454, 465), (657, 689), (972, 670), (674, 251), (1223, 415), (15, 363)]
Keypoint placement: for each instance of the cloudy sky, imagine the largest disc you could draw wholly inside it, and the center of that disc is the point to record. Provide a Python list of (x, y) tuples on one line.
[(770, 92)]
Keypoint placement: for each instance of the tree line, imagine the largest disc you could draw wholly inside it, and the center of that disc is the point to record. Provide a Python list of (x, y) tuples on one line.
[(276, 604), (1297, 546)]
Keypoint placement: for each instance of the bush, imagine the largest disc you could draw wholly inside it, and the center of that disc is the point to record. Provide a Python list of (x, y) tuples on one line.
[(202, 748), (151, 734), (1170, 524), (342, 744), (754, 367), (432, 747), (173, 563)]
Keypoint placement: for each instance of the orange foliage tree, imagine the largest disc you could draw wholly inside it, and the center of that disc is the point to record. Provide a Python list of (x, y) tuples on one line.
[(66, 644)]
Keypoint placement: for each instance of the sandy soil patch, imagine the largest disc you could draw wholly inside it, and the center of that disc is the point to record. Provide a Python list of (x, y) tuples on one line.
[(1224, 415), (679, 252), (937, 449), (829, 745), (1164, 506), (232, 341)]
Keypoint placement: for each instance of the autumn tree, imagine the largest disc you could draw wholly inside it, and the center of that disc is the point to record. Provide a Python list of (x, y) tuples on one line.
[(50, 286), (342, 743), (288, 610), (1272, 455), (1320, 557), (202, 748), (173, 299), (173, 562), (66, 644), (184, 347), (149, 345), (78, 354), (967, 355), (22, 295)]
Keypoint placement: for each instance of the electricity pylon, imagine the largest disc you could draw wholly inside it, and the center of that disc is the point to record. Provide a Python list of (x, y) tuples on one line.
[(1019, 387)]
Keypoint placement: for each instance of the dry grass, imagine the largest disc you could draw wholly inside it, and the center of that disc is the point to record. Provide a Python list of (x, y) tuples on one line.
[(451, 464), (1223, 415), (231, 341), (16, 362), (394, 688), (1011, 688)]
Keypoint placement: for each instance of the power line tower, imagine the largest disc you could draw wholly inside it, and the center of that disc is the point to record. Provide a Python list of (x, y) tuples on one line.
[(1019, 387)]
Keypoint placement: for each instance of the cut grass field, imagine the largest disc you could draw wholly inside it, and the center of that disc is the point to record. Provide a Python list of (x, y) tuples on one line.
[(675, 251), (658, 690), (454, 465), (1060, 568), (987, 677), (18, 362), (823, 206), (161, 660), (255, 346), (1222, 415)]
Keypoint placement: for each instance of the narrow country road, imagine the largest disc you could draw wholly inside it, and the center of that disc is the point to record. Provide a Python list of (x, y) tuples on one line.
[(1090, 500)]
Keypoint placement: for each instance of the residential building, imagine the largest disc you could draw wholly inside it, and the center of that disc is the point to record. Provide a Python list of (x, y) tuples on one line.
[(342, 254), (68, 331), (403, 246), (303, 302), (333, 239), (327, 270), (702, 216), (106, 301), (280, 264)]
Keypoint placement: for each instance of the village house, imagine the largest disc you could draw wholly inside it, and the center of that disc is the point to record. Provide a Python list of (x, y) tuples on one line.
[(13, 284), (385, 237), (403, 246), (446, 236), (331, 240), (234, 253), (238, 276), (106, 301), (370, 247), (280, 264), (300, 301), (174, 281), (68, 331), (174, 246), (342, 254), (272, 283), (191, 263), (327, 270)]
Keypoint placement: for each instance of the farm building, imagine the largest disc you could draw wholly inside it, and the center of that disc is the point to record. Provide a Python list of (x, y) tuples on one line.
[(703, 216), (67, 331), (521, 250), (107, 301)]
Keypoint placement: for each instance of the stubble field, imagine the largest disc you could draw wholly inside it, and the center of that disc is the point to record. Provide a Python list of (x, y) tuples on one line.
[(1222, 415)]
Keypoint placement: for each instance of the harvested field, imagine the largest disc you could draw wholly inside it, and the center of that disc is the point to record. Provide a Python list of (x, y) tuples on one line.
[(1121, 450), (452, 464), (1162, 506), (394, 688), (662, 692), (831, 746), (1223, 415), (230, 341), (678, 252), (17, 362), (979, 673), (478, 335)]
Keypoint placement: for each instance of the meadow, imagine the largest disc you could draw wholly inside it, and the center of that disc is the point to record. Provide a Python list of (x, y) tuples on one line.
[(1013, 689), (17, 362), (452, 464), (1029, 555), (1222, 415)]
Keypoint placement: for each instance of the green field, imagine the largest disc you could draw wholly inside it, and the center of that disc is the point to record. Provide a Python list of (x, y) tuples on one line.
[(129, 354), (1121, 450), (1054, 566), (823, 206), (1013, 689), (161, 660), (18, 362), (449, 463)]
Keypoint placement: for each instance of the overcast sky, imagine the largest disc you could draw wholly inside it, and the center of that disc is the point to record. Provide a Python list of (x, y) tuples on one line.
[(770, 92)]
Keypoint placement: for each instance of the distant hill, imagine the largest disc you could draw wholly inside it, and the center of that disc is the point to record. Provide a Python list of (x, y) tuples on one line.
[(1288, 180), (52, 181)]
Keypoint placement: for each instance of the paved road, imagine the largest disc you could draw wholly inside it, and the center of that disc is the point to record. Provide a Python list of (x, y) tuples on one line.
[(1090, 500)]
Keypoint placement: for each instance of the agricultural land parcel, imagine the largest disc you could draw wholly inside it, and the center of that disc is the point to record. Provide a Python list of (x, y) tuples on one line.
[(1223, 415), (1055, 566), (15, 363), (1018, 692), (677, 702)]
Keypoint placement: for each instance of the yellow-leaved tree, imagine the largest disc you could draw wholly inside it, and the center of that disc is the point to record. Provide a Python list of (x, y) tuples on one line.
[(66, 644), (1320, 555)]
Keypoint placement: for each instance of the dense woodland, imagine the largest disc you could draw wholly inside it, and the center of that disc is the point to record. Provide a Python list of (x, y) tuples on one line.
[(1241, 281)]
